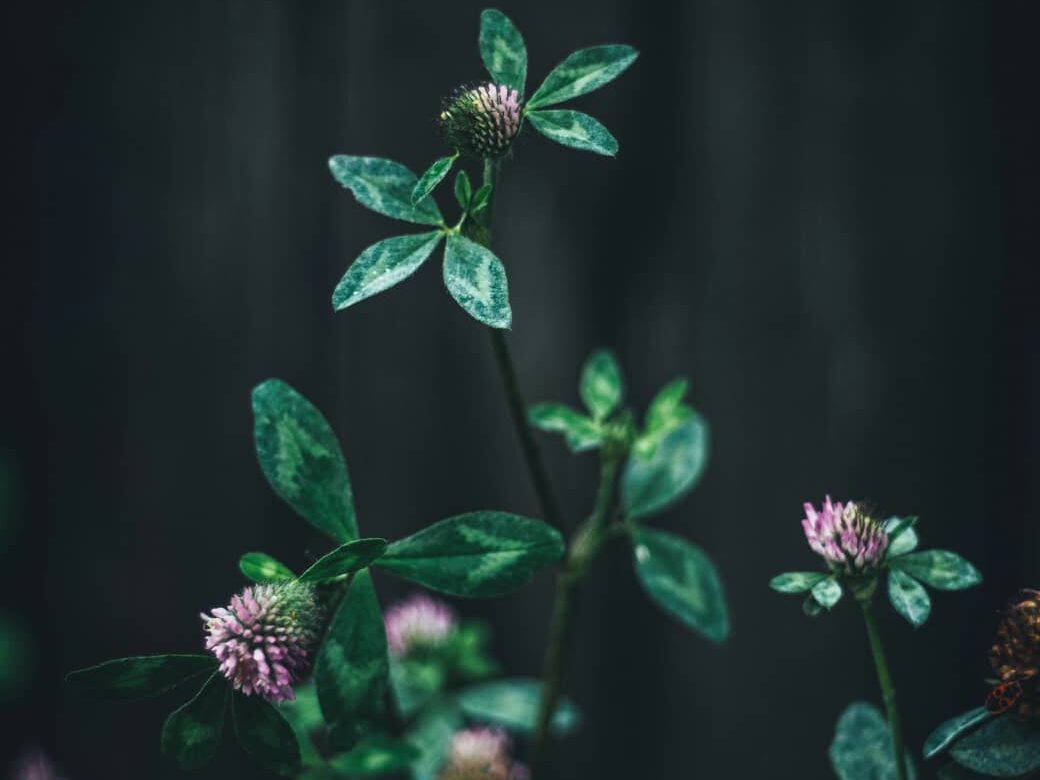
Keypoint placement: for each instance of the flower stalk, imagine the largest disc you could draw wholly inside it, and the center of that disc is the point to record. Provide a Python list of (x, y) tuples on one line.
[(586, 544), (511, 385), (888, 691)]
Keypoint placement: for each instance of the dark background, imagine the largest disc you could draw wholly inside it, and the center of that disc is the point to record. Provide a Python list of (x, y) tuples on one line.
[(822, 213)]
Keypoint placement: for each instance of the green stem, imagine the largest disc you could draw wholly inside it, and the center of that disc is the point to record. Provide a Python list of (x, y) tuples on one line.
[(888, 691), (585, 546), (511, 385)]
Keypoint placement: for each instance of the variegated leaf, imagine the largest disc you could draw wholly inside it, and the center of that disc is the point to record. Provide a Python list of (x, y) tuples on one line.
[(383, 265), (477, 281), (582, 72), (574, 129), (385, 187)]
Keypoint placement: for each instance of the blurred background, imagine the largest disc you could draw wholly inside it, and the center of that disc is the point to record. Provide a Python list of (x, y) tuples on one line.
[(818, 214)]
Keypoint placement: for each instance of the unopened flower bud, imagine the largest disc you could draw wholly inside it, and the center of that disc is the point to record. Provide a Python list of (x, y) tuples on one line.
[(481, 120)]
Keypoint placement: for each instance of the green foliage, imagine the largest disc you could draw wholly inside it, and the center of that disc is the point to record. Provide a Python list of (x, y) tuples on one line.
[(665, 413), (352, 670), (950, 730), (941, 569), (1003, 747), (908, 597), (481, 198), (601, 386), (304, 715), (952, 771), (431, 736), (574, 129), (265, 734), (416, 681), (513, 705), (301, 459), (580, 432), (582, 72), (902, 538), (140, 676), (433, 176), (385, 187), (376, 756), (191, 734), (650, 485), (463, 190), (477, 281), (478, 554), (383, 265), (812, 607), (261, 567), (796, 581), (827, 592), (345, 559), (502, 50), (682, 580), (862, 746)]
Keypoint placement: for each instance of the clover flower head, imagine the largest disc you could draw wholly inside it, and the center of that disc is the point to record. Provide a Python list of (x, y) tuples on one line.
[(481, 754), (265, 638), (35, 765), (481, 120), (1015, 657), (845, 536), (418, 622)]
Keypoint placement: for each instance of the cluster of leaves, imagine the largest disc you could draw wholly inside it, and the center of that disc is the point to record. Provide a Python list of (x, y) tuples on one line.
[(477, 554), (663, 461), (907, 568), (436, 692), (981, 744), (435, 701), (473, 275)]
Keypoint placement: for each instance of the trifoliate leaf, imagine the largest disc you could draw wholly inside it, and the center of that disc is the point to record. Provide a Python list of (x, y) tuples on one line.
[(682, 580), (383, 265), (582, 72), (601, 386), (384, 186), (433, 176), (827, 592), (191, 734), (477, 281), (908, 597), (502, 50), (479, 554), (301, 459), (650, 485), (261, 567), (512, 704), (949, 730), (580, 432), (796, 581), (942, 569)]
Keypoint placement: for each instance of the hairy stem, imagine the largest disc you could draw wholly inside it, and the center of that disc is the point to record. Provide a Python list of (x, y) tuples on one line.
[(584, 548), (517, 406), (888, 691)]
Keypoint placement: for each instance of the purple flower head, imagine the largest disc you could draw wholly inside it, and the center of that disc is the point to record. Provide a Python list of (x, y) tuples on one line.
[(481, 120), (265, 637), (481, 754), (419, 622), (35, 765), (845, 536)]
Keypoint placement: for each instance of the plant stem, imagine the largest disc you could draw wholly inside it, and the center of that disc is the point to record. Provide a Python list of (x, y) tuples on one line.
[(888, 691), (515, 399), (586, 545)]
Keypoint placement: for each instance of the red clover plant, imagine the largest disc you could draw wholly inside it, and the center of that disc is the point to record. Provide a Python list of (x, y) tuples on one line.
[(319, 683)]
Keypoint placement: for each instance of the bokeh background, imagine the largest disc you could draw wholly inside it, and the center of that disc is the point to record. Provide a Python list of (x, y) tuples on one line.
[(822, 213)]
